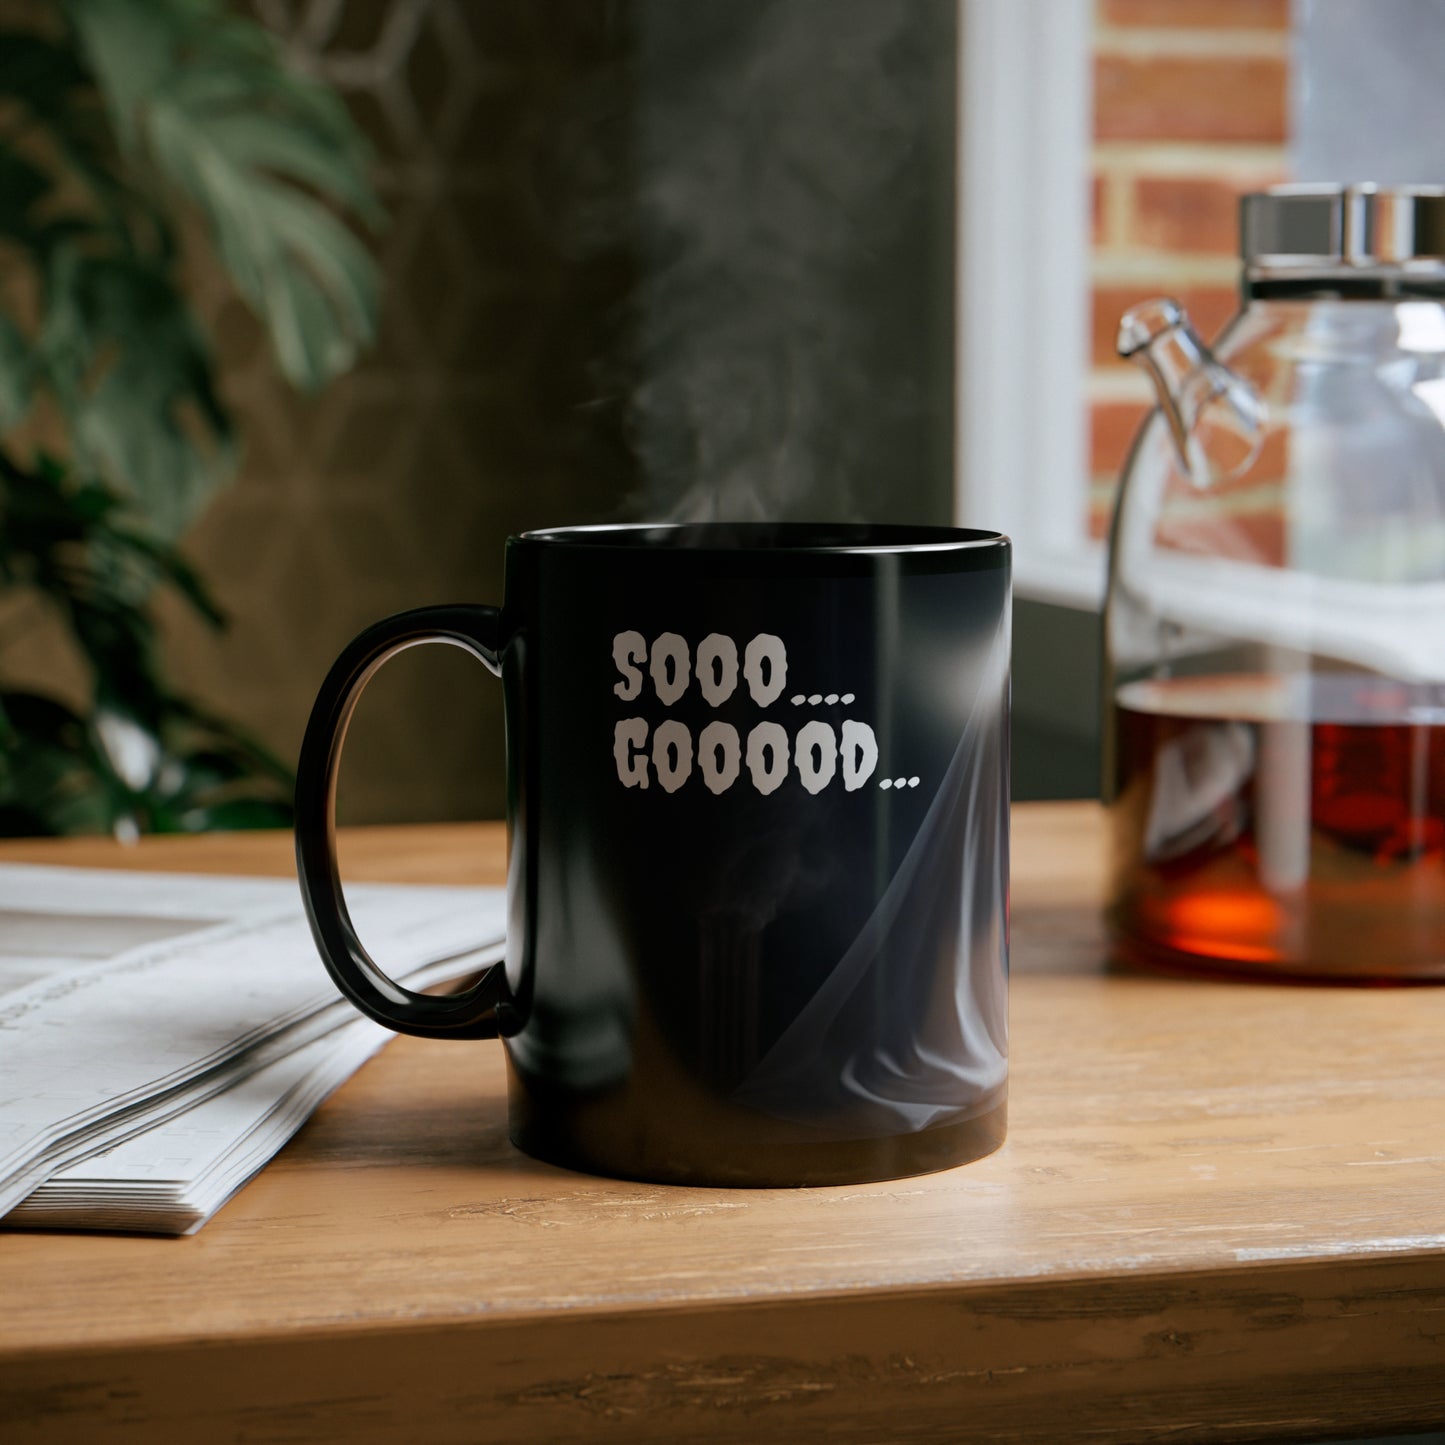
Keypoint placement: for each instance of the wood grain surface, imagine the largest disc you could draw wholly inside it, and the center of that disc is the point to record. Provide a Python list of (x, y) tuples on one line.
[(1220, 1214)]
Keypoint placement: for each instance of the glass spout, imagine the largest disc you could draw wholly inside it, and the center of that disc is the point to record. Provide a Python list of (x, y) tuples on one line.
[(1216, 419)]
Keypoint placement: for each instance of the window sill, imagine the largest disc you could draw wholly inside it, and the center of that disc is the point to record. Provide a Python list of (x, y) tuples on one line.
[(1072, 577)]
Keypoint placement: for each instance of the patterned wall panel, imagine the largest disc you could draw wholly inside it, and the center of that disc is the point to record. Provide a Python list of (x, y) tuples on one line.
[(476, 416)]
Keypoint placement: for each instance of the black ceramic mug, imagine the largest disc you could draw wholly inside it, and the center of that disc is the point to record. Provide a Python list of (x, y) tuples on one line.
[(758, 878)]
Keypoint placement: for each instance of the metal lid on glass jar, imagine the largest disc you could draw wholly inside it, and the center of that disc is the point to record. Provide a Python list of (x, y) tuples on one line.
[(1294, 233)]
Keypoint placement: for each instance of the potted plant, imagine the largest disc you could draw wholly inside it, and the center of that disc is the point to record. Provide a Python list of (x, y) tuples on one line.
[(121, 122)]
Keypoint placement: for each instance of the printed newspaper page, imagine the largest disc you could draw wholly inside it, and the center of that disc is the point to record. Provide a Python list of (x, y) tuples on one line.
[(127, 999)]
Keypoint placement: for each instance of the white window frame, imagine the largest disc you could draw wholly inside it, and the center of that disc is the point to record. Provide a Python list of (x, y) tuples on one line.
[(1025, 122)]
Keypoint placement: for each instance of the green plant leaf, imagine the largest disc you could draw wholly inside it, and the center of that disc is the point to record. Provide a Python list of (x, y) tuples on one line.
[(17, 375), (218, 733), (170, 566), (73, 545), (63, 773), (51, 783), (128, 47), (45, 79), (22, 185), (264, 152), (40, 74), (134, 378), (307, 276), (233, 814)]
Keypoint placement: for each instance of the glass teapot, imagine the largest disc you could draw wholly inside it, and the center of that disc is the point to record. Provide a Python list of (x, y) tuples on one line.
[(1275, 623)]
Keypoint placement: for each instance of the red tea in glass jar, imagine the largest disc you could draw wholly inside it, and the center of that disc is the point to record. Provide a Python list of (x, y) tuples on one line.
[(1281, 824)]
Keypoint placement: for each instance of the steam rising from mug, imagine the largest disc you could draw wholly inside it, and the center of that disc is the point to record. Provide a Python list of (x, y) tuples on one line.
[(789, 209)]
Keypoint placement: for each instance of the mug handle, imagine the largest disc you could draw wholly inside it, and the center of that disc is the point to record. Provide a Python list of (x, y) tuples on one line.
[(471, 1014)]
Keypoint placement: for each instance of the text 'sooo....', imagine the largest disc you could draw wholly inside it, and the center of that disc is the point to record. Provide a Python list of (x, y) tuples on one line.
[(669, 753)]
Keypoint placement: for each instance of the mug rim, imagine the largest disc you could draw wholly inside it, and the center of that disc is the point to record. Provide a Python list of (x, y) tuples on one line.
[(769, 538)]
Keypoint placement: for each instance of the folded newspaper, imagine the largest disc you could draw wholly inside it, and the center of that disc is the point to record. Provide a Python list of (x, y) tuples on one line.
[(162, 1035)]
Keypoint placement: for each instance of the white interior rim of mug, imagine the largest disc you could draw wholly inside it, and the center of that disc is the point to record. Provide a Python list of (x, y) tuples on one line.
[(779, 537)]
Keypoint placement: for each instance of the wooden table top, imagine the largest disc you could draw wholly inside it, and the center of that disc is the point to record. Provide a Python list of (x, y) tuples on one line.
[(1220, 1213)]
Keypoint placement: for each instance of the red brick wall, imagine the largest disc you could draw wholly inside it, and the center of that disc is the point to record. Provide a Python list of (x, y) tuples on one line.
[(1190, 111)]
